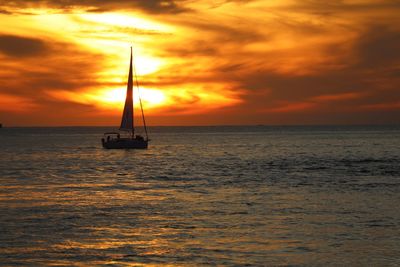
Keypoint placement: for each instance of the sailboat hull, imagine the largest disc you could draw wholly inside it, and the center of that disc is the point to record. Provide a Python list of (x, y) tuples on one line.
[(124, 143)]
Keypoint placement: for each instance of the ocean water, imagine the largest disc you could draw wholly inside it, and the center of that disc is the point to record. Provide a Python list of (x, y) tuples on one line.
[(200, 196)]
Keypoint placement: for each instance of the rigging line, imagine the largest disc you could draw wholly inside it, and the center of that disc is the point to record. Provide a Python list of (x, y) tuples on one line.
[(140, 100)]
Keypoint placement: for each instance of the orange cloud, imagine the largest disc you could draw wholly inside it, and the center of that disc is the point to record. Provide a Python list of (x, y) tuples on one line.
[(281, 57), (382, 106), (188, 99), (338, 97), (13, 103), (313, 102), (292, 107)]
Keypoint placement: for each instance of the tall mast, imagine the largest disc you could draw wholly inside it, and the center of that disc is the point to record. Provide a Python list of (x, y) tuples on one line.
[(127, 122)]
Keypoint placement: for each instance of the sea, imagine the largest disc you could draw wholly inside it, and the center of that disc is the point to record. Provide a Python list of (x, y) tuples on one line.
[(201, 196)]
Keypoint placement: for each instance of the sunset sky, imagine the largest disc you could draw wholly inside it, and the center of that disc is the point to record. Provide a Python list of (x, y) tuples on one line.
[(200, 62)]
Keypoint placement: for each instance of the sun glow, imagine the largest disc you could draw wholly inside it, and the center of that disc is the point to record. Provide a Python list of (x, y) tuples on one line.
[(150, 97), (186, 100), (126, 20), (147, 64), (112, 99)]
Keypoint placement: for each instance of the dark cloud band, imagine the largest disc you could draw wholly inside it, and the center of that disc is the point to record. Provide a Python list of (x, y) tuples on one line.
[(150, 6), (17, 46)]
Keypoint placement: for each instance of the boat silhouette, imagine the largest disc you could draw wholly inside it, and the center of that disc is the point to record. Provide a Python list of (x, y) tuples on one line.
[(113, 140)]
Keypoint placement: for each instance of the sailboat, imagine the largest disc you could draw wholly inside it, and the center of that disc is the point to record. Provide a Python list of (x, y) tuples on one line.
[(113, 140)]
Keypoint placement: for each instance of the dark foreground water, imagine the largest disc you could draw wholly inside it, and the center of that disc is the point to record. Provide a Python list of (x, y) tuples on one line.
[(226, 196)]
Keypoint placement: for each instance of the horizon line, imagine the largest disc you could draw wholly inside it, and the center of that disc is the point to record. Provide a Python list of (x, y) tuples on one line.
[(210, 125)]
